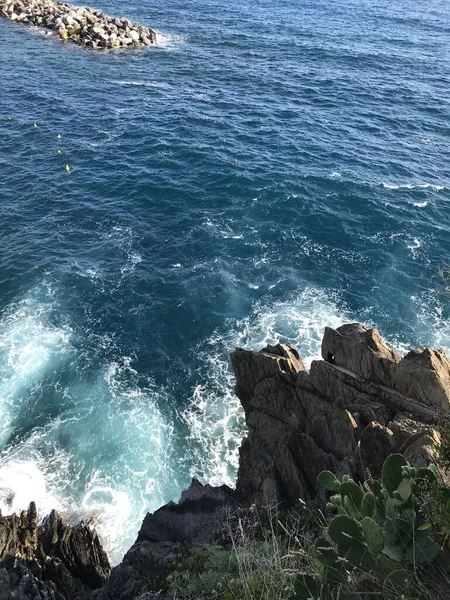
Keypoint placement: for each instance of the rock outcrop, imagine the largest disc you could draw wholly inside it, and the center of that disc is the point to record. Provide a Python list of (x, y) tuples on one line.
[(199, 517), (83, 26), (422, 375), (355, 407), (49, 560), (360, 403)]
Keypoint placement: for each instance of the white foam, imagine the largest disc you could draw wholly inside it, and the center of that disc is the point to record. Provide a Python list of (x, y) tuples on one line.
[(168, 40), (110, 508), (335, 174), (133, 259), (29, 345), (214, 415), (223, 230), (22, 482), (151, 84), (416, 243), (410, 186), (420, 204)]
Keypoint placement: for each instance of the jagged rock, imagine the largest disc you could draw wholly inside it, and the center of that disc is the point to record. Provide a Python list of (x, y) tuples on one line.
[(340, 414), (357, 348), (422, 375), (422, 452), (196, 519), (373, 401), (79, 549), (250, 368), (193, 520), (49, 560), (377, 442)]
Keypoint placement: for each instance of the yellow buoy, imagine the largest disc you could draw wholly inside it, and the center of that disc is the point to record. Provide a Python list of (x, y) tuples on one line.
[(59, 136), (58, 152), (68, 169), (35, 126), (9, 119), (235, 160)]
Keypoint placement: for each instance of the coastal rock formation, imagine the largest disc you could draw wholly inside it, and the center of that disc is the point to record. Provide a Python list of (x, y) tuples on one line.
[(354, 408), (49, 560), (83, 26), (422, 375), (360, 403), (197, 518)]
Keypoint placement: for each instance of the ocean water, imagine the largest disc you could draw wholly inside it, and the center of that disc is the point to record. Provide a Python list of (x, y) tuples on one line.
[(125, 285)]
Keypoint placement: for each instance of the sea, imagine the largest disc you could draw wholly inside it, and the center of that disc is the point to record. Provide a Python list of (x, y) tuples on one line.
[(268, 169)]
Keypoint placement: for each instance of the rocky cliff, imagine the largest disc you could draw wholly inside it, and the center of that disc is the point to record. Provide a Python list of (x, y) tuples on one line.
[(360, 403)]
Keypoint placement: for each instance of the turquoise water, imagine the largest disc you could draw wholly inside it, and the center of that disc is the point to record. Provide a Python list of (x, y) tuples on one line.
[(125, 284)]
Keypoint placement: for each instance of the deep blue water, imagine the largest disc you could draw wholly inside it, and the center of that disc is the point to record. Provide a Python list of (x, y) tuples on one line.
[(125, 284)]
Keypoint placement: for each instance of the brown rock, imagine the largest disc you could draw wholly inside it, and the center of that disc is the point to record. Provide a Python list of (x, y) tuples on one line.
[(377, 442), (251, 368), (63, 33), (422, 375), (358, 349), (422, 452), (50, 556)]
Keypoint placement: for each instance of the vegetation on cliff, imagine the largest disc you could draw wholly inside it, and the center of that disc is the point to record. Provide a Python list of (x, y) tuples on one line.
[(386, 538)]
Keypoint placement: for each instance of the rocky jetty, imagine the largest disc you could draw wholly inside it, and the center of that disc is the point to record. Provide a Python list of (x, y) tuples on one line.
[(359, 404), (82, 26)]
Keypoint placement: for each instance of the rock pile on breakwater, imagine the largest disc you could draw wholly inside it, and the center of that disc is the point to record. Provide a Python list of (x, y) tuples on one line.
[(80, 25)]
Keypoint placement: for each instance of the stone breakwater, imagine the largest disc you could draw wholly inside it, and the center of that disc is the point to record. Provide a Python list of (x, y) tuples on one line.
[(82, 26)]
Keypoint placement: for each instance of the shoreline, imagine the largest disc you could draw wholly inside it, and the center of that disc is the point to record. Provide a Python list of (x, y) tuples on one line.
[(361, 403)]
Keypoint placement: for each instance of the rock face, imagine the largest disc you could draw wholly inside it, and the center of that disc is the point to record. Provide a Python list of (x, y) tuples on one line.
[(422, 375), (83, 26), (354, 408), (197, 518), (49, 560), (360, 403)]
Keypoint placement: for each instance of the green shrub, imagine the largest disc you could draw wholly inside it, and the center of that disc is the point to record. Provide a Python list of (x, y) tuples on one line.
[(381, 532), (443, 449), (249, 570)]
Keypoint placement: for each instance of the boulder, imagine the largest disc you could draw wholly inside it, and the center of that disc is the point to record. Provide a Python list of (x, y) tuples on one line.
[(250, 368), (63, 33)]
